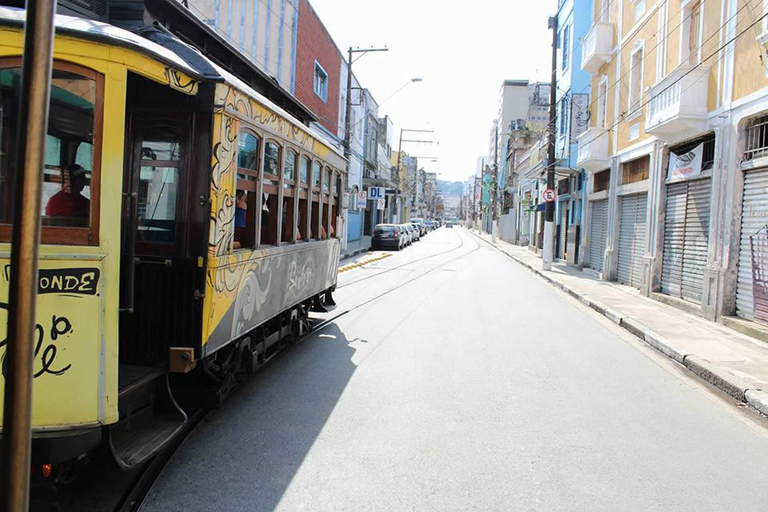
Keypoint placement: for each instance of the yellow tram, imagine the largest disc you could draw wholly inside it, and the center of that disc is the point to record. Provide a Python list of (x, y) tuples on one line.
[(189, 225)]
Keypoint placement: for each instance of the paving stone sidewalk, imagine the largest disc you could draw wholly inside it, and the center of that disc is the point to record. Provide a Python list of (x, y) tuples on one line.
[(732, 361)]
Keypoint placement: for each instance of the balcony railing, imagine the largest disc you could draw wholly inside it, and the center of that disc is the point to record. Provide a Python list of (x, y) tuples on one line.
[(597, 47), (677, 105), (593, 149)]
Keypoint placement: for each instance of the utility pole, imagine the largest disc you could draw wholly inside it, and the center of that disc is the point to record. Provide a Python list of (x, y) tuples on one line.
[(347, 123), (495, 186), (549, 212)]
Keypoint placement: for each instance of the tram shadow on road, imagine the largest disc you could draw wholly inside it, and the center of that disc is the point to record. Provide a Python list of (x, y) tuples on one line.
[(244, 455)]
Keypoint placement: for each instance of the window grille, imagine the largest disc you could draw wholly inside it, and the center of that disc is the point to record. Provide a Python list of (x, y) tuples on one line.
[(757, 139)]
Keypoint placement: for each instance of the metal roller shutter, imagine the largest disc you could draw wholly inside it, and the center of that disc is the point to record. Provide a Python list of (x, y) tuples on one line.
[(696, 238), (686, 234), (754, 216), (598, 229), (632, 239), (674, 239), (561, 230)]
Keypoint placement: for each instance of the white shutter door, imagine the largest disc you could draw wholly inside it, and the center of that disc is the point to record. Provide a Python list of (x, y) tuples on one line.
[(632, 239), (753, 217), (561, 229), (674, 239), (638, 247), (598, 228), (696, 239)]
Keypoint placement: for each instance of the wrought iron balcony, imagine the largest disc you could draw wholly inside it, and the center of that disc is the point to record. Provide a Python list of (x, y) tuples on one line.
[(677, 105), (593, 149), (597, 47)]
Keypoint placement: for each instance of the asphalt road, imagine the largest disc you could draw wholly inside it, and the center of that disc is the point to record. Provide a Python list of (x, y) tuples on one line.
[(463, 382)]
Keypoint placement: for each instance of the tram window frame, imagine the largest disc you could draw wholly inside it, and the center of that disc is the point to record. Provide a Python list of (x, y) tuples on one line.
[(290, 196), (305, 202), (336, 197), (270, 201), (69, 235), (248, 237), (325, 200)]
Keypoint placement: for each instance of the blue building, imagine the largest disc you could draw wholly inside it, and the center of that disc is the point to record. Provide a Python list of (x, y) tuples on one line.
[(574, 19)]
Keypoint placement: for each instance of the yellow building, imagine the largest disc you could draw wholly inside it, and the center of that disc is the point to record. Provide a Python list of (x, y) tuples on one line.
[(674, 152)]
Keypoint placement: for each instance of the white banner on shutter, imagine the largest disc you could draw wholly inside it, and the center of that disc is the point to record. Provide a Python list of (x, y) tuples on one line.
[(686, 165)]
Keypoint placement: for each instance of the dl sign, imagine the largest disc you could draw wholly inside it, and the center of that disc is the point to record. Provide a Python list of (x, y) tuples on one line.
[(375, 193)]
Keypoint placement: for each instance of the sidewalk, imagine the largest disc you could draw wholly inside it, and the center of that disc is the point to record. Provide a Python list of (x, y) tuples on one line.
[(734, 362), (356, 247)]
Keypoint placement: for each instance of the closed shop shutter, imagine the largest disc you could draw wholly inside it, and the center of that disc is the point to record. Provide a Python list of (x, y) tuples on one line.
[(674, 239), (686, 232), (598, 231), (696, 238), (562, 226), (632, 239), (754, 216)]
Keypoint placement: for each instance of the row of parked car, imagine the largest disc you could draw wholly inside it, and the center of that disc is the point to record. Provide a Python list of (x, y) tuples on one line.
[(398, 236)]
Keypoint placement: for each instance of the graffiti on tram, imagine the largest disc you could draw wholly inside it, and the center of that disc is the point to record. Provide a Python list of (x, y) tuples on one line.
[(253, 286), (61, 292)]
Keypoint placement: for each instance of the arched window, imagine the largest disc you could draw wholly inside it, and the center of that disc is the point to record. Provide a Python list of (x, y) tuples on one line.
[(289, 195), (246, 200), (269, 224)]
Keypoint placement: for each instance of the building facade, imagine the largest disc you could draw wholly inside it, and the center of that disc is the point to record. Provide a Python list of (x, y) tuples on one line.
[(675, 153), (264, 31)]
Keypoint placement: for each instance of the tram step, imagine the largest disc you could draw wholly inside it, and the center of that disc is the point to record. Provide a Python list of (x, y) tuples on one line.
[(149, 417), (324, 303)]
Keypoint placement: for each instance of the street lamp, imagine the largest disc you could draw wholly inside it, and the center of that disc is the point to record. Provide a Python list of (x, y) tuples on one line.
[(406, 84)]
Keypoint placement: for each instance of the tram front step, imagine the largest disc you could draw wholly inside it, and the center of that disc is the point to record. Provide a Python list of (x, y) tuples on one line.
[(149, 416)]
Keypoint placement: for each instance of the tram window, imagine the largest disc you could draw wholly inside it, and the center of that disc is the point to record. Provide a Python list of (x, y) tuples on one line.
[(245, 219), (316, 221), (288, 220), (327, 229), (302, 224), (304, 170), (334, 229), (289, 168), (159, 187), (247, 161), (269, 220), (316, 170), (69, 210), (271, 158)]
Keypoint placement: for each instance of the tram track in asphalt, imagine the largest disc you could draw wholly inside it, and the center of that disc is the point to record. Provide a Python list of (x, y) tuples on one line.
[(333, 318), (133, 499), (370, 276)]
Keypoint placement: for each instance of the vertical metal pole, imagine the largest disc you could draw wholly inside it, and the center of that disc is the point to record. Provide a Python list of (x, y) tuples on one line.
[(347, 143), (32, 127), (549, 212)]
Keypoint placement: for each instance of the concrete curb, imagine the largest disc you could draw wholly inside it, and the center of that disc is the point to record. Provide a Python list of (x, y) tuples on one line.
[(348, 255), (758, 399), (716, 375)]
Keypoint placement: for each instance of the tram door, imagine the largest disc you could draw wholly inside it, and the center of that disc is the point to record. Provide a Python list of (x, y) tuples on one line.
[(157, 276)]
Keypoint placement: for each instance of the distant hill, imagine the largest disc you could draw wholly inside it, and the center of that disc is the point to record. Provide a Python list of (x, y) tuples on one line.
[(450, 188)]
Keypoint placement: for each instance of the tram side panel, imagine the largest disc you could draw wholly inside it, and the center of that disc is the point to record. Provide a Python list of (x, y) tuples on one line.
[(244, 287)]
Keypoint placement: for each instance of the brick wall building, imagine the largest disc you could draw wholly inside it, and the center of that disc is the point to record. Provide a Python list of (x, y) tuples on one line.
[(317, 58)]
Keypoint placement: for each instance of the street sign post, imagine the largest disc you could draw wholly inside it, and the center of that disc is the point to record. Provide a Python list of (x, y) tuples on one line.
[(362, 199), (549, 195), (379, 204)]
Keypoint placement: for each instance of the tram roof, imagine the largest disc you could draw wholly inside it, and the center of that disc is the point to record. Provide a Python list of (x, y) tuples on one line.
[(160, 45)]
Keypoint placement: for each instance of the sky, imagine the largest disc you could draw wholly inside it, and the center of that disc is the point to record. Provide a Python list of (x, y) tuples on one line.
[(462, 53)]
